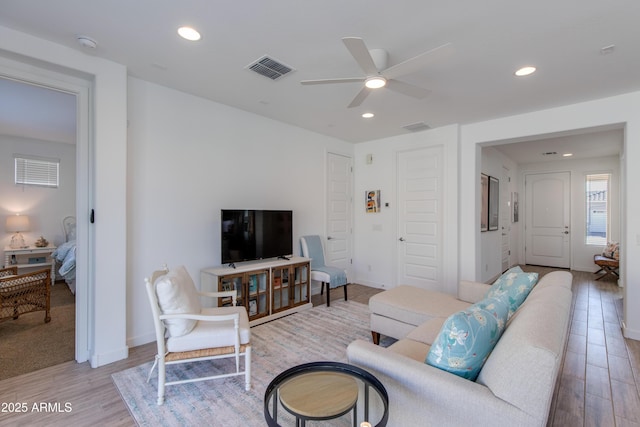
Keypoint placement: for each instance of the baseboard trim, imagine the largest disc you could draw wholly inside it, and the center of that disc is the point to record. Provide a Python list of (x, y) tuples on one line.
[(102, 359)]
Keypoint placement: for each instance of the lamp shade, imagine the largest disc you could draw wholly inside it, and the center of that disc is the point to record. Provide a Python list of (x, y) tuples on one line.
[(17, 223)]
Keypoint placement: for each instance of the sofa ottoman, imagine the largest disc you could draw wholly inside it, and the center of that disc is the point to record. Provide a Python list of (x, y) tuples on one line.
[(398, 311)]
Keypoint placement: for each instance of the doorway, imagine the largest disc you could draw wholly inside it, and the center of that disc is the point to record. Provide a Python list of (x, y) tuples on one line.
[(420, 201), (79, 88), (338, 246)]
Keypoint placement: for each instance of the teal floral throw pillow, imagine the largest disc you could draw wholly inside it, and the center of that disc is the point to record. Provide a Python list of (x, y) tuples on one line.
[(468, 337), (513, 286)]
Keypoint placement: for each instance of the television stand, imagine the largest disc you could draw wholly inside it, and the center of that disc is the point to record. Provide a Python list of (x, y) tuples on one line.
[(268, 289)]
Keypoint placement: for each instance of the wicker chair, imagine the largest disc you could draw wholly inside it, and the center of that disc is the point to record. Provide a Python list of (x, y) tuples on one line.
[(24, 293)]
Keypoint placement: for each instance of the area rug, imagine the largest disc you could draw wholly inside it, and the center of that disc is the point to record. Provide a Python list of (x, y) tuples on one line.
[(321, 333)]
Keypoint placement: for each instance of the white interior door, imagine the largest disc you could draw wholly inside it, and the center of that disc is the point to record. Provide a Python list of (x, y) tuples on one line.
[(505, 218), (547, 222), (337, 247), (420, 193)]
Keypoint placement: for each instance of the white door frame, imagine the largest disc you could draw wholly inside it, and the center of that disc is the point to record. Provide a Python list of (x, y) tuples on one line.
[(81, 88)]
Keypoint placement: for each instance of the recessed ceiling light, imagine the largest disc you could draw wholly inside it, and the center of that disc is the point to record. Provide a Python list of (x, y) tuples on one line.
[(367, 115), (567, 155), (375, 82), (189, 33), (525, 71)]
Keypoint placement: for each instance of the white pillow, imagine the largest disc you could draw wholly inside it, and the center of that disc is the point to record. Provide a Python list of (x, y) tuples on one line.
[(177, 294)]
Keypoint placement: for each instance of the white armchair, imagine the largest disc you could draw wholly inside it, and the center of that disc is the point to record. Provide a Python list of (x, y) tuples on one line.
[(186, 332)]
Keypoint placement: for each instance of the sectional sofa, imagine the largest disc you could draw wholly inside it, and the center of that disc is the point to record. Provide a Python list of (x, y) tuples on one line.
[(514, 386)]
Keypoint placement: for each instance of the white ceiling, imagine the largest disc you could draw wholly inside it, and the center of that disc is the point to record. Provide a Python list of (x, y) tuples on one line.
[(489, 40)]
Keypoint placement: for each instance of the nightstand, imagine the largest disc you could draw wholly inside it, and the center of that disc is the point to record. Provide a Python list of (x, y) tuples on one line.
[(30, 258)]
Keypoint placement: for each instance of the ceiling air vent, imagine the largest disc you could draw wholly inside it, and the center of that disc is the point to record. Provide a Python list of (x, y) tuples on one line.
[(269, 67), (417, 127)]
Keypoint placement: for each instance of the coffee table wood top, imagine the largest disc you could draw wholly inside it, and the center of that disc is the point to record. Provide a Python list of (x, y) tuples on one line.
[(319, 394)]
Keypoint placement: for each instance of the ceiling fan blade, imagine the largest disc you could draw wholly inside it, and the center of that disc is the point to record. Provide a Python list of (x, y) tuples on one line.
[(361, 96), (361, 54), (418, 62), (328, 81), (408, 89)]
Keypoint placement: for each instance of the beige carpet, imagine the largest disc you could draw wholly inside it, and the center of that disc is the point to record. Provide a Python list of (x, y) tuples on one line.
[(28, 344)]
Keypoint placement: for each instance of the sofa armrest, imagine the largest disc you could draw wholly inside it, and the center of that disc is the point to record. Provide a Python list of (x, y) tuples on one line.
[(472, 292), (419, 392)]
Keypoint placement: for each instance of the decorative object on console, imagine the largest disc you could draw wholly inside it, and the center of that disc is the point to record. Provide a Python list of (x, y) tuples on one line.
[(41, 242), (17, 224)]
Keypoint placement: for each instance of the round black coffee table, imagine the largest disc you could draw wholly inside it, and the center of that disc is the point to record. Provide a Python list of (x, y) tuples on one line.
[(322, 391)]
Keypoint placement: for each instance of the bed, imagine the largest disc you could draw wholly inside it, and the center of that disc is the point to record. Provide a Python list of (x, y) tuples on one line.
[(65, 254)]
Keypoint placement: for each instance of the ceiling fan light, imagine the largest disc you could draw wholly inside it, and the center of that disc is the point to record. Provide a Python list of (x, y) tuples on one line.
[(525, 71), (189, 33), (375, 82)]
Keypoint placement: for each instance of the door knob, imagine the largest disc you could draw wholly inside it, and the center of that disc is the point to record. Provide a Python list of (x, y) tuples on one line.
[(329, 237), (401, 239), (566, 232)]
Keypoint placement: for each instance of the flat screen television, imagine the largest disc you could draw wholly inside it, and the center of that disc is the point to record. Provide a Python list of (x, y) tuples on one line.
[(255, 234)]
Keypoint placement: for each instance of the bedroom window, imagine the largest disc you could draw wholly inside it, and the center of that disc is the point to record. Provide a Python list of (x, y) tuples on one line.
[(30, 170), (597, 209)]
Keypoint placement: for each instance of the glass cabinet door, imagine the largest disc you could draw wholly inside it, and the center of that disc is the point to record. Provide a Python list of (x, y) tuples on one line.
[(258, 294), (229, 283), (281, 292), (300, 289)]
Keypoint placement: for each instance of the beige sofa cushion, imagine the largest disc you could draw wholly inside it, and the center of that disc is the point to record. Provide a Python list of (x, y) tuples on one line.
[(412, 349), (428, 331)]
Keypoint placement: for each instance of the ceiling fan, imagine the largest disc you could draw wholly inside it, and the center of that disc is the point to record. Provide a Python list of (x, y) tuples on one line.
[(374, 64)]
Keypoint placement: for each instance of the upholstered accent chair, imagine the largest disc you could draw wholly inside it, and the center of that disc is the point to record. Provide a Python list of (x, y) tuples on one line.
[(186, 332), (24, 293), (333, 277)]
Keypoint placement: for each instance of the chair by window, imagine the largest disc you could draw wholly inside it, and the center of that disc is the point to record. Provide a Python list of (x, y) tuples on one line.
[(333, 277), (186, 332), (24, 293)]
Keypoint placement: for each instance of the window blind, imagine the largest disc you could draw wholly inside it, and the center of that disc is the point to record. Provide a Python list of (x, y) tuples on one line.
[(37, 171)]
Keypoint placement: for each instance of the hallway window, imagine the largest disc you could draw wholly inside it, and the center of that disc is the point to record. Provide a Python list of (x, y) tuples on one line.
[(597, 209), (30, 170)]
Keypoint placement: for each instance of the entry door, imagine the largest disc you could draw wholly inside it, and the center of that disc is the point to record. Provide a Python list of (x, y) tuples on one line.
[(505, 218), (420, 193), (337, 247), (548, 228)]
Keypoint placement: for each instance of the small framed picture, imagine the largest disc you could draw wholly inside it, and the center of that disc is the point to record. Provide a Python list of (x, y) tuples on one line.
[(372, 201)]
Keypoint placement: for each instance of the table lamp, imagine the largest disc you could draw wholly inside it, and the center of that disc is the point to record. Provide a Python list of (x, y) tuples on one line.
[(16, 224)]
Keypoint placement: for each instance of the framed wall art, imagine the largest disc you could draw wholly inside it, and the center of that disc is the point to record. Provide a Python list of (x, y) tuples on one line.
[(372, 201), (494, 203), (484, 209)]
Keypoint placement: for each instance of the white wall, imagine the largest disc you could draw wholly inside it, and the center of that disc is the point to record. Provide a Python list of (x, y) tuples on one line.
[(46, 207), (581, 253), (493, 162), (187, 159), (375, 241), (622, 109)]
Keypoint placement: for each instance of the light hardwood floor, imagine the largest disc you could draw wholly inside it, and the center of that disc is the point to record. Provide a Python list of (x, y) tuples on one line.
[(598, 385)]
